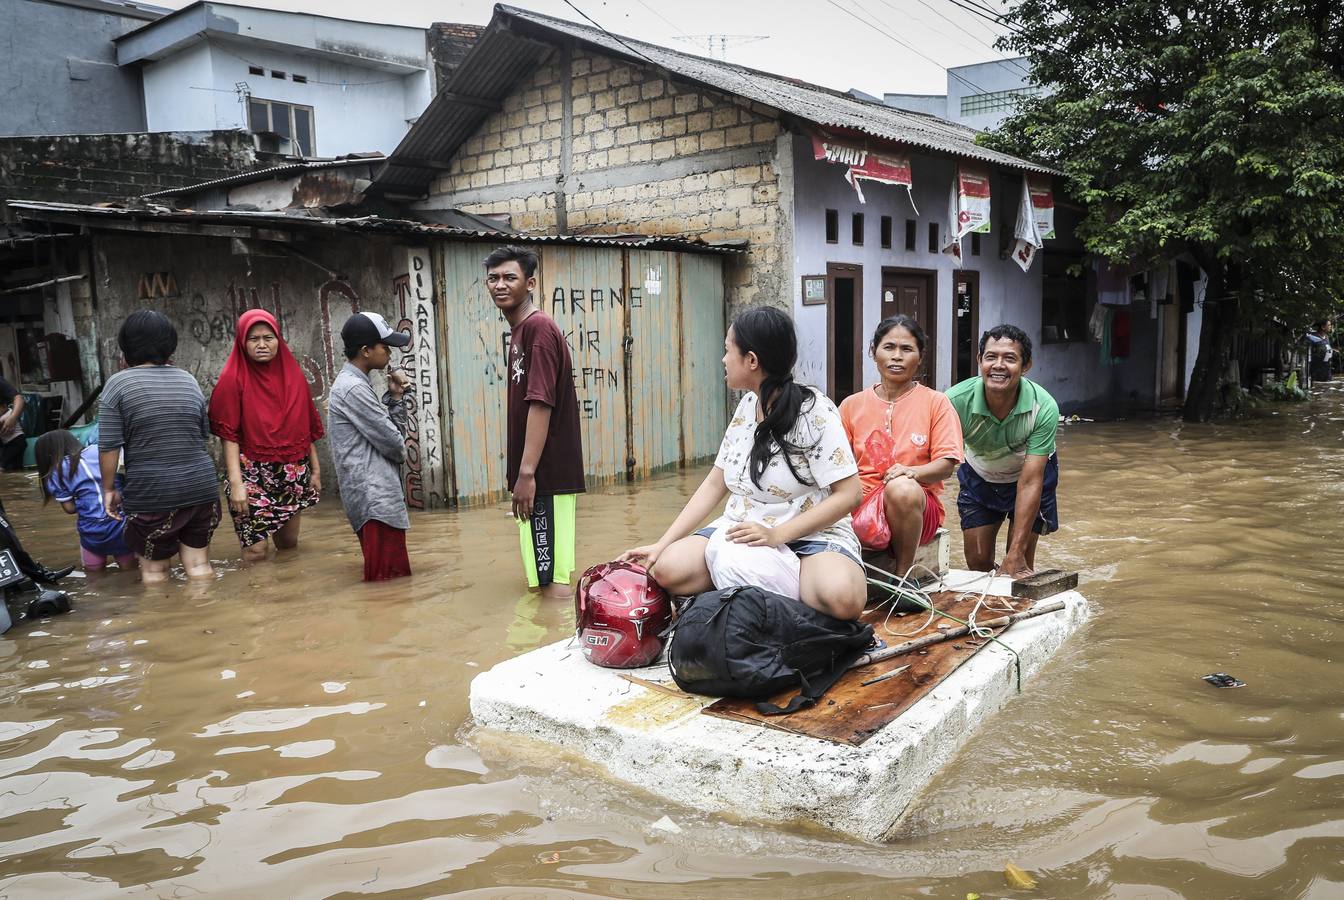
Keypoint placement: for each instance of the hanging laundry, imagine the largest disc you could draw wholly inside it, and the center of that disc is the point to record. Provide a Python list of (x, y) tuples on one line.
[(1107, 315), (1138, 287), (1159, 284), (1120, 332), (1112, 284), (1096, 325)]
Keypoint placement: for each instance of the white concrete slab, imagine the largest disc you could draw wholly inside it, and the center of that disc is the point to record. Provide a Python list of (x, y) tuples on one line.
[(660, 742)]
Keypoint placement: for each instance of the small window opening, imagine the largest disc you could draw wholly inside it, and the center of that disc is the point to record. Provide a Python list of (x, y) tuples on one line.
[(933, 237), (856, 230), (911, 230), (832, 227), (884, 227), (300, 79), (255, 70), (276, 73)]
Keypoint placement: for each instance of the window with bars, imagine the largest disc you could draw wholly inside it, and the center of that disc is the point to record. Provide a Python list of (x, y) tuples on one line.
[(289, 120), (996, 101)]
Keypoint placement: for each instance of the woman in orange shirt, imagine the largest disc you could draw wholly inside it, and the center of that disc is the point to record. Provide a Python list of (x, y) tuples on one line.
[(907, 440)]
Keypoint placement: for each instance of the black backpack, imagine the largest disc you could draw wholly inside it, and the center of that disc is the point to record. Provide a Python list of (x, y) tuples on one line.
[(751, 643)]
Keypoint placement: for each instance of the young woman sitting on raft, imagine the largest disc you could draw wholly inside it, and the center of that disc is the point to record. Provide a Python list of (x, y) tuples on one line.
[(907, 440), (787, 472)]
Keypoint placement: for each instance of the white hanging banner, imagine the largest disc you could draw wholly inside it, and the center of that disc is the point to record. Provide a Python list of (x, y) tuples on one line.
[(951, 235), (1028, 238), (1035, 220)]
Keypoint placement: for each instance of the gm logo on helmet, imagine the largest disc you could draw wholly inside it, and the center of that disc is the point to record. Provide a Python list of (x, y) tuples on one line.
[(597, 640)]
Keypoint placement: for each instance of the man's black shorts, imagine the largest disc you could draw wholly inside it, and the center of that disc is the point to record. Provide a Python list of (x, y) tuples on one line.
[(983, 502)]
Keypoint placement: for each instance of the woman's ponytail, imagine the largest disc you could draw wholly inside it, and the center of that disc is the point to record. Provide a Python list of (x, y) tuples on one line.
[(769, 334)]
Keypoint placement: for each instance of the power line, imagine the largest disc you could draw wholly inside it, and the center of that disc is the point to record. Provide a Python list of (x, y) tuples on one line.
[(615, 38), (987, 16), (907, 46), (976, 21), (954, 24), (665, 19)]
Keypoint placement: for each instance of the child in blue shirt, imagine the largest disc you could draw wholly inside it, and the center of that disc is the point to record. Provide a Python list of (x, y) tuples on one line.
[(68, 473)]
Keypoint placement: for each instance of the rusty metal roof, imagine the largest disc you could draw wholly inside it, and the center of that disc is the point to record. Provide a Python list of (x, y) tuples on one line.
[(281, 171), (517, 40), (123, 218)]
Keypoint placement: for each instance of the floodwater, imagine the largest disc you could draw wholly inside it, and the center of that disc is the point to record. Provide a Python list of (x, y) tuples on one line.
[(287, 731)]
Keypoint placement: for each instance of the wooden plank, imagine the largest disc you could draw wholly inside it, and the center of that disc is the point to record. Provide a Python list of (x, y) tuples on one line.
[(850, 713), (476, 397), (1045, 584), (582, 289), (655, 363), (703, 326)]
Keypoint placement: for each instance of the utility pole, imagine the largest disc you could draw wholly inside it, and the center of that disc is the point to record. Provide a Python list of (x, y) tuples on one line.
[(716, 45)]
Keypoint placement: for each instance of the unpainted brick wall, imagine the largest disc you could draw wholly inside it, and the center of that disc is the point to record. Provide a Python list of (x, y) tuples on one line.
[(92, 168), (627, 117)]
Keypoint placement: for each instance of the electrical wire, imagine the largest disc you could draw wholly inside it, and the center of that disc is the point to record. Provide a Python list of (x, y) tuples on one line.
[(910, 47), (903, 590), (665, 19), (614, 37), (949, 20)]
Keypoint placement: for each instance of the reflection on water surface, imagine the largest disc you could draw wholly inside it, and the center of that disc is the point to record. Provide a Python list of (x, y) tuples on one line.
[(289, 731)]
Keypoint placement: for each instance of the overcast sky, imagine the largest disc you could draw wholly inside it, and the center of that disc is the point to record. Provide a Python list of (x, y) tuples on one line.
[(815, 41)]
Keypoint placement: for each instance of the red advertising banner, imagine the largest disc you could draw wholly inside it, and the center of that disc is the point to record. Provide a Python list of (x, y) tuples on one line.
[(863, 164), (972, 199), (1042, 205)]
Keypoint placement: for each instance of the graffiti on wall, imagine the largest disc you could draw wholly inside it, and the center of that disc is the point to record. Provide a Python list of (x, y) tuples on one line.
[(596, 350), (156, 286), (422, 473)]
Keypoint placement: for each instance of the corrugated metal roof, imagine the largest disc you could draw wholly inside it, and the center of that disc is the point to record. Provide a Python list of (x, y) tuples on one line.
[(283, 171), (91, 215), (498, 60), (509, 49)]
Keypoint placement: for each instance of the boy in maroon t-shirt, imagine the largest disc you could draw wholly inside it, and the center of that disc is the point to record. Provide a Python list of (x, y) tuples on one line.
[(545, 451)]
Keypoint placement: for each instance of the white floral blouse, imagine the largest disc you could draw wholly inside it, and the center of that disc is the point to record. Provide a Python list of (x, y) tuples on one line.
[(826, 459)]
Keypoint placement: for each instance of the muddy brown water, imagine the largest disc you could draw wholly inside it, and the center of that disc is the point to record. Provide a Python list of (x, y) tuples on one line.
[(287, 731)]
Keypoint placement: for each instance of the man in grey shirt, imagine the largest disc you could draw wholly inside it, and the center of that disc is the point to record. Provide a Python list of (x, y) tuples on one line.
[(368, 445)]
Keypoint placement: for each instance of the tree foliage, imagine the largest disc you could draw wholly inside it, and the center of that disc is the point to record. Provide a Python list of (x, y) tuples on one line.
[(1214, 129)]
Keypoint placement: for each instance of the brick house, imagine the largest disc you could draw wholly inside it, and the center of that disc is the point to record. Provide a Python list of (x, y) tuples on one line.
[(554, 127)]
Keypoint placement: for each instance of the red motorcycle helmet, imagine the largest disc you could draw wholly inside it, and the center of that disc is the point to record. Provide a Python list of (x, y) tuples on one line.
[(620, 614)]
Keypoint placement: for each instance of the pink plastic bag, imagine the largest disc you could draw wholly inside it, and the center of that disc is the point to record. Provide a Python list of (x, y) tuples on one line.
[(870, 519)]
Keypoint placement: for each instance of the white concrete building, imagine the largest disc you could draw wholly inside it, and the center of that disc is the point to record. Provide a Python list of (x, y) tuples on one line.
[(307, 84), (980, 95)]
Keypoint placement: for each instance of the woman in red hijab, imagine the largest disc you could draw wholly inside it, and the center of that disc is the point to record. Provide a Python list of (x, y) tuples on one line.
[(262, 411)]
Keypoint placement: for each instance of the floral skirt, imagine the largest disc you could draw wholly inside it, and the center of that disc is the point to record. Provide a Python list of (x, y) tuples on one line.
[(276, 492)]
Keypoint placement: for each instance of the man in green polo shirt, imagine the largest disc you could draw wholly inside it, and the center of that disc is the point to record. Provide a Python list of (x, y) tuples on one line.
[(1011, 469)]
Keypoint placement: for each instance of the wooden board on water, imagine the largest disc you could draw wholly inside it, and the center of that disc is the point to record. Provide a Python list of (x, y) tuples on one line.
[(850, 713)]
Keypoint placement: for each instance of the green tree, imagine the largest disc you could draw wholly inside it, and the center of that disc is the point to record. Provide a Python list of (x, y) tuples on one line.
[(1210, 128)]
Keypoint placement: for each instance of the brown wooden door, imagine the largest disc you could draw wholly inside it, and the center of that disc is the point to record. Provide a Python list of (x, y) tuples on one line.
[(913, 294), (844, 330)]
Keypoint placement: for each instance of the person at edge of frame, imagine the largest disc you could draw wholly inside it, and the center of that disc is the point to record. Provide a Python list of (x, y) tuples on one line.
[(545, 447), (1011, 469)]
